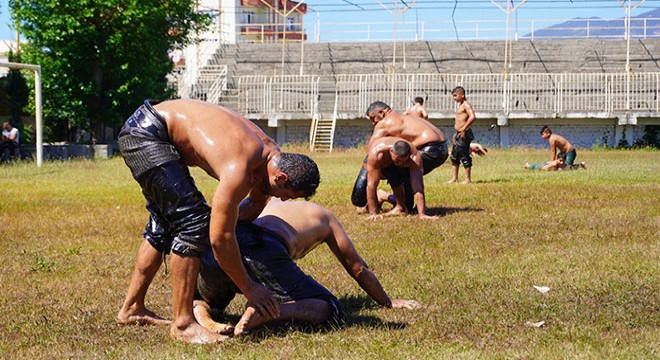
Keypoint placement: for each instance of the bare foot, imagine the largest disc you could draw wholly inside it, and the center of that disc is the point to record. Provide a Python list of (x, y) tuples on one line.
[(251, 318), (397, 211), (195, 334), (202, 312), (140, 317), (452, 181), (361, 209), (466, 181)]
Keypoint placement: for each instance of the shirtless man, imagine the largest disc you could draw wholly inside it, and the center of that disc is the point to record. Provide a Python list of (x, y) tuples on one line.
[(478, 149), (558, 142), (429, 141), (418, 109), (396, 160), (460, 152), (158, 143), (383, 196), (286, 236)]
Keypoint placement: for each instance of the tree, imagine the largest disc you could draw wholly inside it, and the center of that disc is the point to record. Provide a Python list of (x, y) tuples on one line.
[(16, 97), (16, 89), (100, 58)]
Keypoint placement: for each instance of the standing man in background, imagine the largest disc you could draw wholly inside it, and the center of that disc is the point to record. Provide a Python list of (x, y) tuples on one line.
[(460, 152), (418, 109)]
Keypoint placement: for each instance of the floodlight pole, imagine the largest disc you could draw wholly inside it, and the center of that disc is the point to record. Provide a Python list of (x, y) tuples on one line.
[(628, 34), (508, 10), (37, 104), (396, 13), (284, 15)]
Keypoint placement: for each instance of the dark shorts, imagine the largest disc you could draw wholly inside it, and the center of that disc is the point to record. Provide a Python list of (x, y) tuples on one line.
[(460, 152), (395, 176), (179, 216), (570, 157), (537, 166), (433, 155), (267, 261)]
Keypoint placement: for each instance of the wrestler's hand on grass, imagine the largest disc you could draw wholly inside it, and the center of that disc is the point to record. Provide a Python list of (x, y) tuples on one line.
[(263, 300), (405, 304), (374, 217)]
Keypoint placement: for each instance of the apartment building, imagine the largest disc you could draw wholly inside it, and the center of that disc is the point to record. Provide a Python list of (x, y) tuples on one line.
[(256, 20)]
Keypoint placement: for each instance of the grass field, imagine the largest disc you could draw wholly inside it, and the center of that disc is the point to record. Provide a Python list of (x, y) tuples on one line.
[(70, 231)]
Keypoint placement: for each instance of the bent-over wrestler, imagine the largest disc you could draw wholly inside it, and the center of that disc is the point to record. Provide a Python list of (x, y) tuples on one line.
[(429, 141), (284, 232)]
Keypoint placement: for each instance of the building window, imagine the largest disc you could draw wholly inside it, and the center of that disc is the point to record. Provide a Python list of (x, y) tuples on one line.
[(248, 17), (289, 24)]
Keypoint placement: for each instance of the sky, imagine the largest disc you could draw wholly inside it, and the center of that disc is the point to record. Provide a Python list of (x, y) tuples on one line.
[(334, 11)]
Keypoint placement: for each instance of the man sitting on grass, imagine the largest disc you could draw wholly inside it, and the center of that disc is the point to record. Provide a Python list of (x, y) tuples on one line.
[(284, 232)]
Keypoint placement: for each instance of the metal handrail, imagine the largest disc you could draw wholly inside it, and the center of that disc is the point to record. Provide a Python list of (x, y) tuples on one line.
[(518, 94)]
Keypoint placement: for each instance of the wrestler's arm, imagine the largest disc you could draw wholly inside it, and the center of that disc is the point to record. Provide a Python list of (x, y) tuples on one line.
[(373, 178), (471, 116), (417, 182), (425, 115), (252, 206), (553, 147), (224, 215), (342, 247), (478, 149)]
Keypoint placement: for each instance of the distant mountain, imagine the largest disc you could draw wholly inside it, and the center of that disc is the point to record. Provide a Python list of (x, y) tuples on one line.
[(597, 28)]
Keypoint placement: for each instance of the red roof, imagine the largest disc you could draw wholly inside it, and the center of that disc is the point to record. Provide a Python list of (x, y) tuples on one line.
[(280, 4)]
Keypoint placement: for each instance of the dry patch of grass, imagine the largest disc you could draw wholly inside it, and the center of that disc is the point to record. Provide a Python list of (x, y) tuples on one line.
[(70, 231)]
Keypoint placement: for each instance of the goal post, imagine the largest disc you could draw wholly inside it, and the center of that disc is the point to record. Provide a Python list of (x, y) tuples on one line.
[(37, 104)]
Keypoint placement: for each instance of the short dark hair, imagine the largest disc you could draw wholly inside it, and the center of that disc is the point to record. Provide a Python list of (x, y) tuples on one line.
[(377, 105), (458, 89), (302, 172), (420, 100), (402, 148), (546, 129)]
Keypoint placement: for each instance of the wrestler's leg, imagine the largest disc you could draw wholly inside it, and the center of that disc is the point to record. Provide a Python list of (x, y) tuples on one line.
[(400, 199), (202, 312), (133, 310), (455, 163), (466, 159), (184, 327), (310, 311), (468, 175), (454, 174), (359, 194)]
